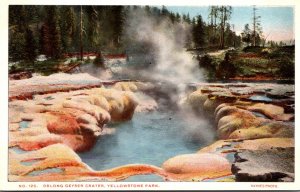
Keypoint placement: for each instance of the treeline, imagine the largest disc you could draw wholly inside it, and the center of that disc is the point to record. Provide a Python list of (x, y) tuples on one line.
[(55, 30), (217, 33)]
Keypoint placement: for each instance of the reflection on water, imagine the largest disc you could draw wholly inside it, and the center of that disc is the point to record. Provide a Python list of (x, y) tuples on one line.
[(260, 98), (149, 138), (24, 124), (29, 163), (45, 171), (18, 150)]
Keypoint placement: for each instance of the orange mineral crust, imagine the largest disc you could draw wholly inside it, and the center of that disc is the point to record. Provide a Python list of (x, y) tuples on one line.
[(51, 118)]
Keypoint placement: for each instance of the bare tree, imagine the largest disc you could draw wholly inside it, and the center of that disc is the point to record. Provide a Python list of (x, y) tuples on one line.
[(213, 16), (225, 13), (257, 30), (82, 30)]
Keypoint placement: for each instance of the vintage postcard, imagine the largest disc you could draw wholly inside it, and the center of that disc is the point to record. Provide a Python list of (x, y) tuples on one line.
[(149, 96)]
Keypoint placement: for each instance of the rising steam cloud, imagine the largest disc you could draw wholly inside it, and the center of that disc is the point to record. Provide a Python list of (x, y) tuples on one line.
[(172, 62)]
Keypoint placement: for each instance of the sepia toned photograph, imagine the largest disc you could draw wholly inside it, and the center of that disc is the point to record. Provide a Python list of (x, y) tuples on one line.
[(135, 96)]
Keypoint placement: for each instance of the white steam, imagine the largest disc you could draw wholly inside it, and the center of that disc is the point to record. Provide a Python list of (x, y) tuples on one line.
[(172, 62)]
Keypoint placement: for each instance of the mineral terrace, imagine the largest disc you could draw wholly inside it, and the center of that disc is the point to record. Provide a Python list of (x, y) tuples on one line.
[(51, 118)]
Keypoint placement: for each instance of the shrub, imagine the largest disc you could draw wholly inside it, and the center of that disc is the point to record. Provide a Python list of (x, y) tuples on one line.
[(286, 68), (226, 68), (253, 49), (210, 64), (205, 61)]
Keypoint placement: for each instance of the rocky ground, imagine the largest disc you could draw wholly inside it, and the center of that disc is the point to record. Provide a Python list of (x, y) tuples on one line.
[(255, 125), (51, 118)]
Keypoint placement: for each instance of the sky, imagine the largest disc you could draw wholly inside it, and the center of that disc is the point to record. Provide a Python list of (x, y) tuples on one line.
[(277, 22)]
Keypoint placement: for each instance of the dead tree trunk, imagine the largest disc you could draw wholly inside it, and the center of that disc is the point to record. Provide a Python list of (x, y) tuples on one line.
[(81, 31)]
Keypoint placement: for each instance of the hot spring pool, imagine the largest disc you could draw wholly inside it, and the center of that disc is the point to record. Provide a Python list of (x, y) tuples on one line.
[(149, 138)]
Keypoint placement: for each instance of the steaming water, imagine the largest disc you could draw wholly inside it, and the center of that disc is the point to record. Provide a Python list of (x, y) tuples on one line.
[(154, 137), (149, 138)]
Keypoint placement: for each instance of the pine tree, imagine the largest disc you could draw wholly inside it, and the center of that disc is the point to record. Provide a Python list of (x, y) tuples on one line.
[(32, 13), (51, 33), (229, 36), (178, 18), (93, 26), (68, 26), (116, 22), (147, 9), (17, 42), (17, 28), (30, 46), (44, 41), (188, 19), (246, 34), (164, 11), (225, 13), (17, 17), (172, 17), (199, 32), (184, 17), (212, 33)]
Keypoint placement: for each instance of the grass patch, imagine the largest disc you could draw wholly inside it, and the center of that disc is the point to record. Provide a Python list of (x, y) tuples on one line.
[(278, 62)]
